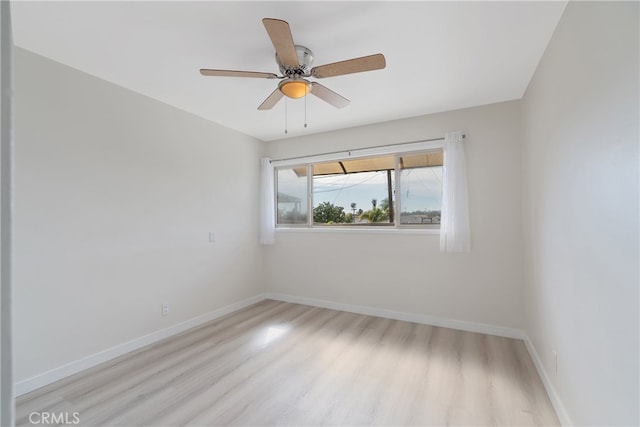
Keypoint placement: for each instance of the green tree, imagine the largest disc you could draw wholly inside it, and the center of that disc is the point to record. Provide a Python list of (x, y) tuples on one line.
[(376, 214), (326, 213), (351, 216), (384, 205)]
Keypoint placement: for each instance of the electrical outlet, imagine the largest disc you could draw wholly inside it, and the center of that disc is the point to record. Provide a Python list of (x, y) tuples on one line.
[(164, 309), (555, 361)]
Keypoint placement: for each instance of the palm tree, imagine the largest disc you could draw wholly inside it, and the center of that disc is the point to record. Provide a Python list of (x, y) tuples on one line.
[(384, 204), (375, 214)]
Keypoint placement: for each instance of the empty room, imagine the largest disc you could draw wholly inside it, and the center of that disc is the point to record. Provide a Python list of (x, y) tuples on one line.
[(312, 213)]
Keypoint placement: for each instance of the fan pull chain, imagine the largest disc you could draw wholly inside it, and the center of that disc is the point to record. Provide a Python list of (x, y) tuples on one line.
[(285, 115), (305, 111)]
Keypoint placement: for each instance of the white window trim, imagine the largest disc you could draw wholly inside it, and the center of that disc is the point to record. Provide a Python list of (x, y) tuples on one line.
[(356, 230), (308, 161)]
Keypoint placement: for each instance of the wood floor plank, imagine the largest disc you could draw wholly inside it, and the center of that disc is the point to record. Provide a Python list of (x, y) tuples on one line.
[(118, 367), (277, 363)]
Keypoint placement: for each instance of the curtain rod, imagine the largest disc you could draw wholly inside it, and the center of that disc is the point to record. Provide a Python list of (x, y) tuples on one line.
[(362, 148)]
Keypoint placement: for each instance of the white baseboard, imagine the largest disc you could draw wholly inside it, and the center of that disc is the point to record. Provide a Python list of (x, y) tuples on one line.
[(461, 325), (500, 331), (41, 380), (56, 374), (561, 411)]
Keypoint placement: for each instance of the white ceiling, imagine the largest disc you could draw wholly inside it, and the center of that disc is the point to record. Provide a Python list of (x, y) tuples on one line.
[(440, 55)]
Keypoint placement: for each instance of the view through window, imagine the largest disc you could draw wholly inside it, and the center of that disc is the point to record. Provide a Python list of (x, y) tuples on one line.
[(363, 192), (292, 196)]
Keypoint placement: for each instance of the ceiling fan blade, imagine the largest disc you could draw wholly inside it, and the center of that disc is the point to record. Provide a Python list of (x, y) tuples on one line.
[(271, 100), (233, 73), (350, 66), (328, 95), (282, 40)]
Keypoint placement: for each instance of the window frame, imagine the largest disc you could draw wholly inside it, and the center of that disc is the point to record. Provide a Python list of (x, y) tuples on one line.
[(309, 202), (397, 150)]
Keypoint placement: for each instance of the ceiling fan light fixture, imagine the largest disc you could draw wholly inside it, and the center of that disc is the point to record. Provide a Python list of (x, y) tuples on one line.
[(295, 63), (295, 88)]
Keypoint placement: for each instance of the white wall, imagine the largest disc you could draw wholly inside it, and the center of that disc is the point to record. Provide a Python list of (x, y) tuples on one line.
[(407, 272), (115, 196), (581, 211), (6, 216), (116, 193)]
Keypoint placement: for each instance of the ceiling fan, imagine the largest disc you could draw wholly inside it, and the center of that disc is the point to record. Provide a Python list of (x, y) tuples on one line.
[(295, 63)]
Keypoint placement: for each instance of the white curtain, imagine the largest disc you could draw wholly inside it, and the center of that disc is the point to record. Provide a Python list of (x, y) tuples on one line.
[(267, 204), (454, 222)]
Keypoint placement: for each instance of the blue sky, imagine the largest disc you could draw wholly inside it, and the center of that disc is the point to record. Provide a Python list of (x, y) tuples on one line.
[(421, 188)]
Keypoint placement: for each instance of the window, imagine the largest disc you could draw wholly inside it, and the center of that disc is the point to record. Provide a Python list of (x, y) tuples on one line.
[(397, 189), (421, 183), (291, 197), (357, 194)]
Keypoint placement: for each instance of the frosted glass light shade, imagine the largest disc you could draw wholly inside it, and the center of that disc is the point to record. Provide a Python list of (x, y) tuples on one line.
[(295, 88)]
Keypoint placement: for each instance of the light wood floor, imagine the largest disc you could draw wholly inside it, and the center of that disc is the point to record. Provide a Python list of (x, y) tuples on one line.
[(277, 363)]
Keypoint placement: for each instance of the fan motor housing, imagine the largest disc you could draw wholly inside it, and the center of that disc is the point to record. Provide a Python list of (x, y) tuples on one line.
[(305, 59)]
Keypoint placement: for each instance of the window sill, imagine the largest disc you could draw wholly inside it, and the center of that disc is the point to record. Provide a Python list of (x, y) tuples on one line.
[(359, 230)]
